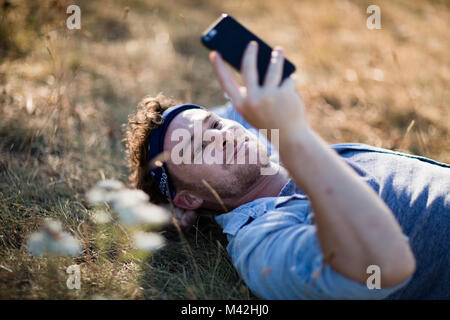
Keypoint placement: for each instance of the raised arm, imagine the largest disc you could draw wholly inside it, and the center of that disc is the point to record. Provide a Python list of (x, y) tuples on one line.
[(355, 227)]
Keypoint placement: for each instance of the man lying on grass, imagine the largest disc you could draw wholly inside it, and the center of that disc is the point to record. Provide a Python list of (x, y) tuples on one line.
[(315, 227)]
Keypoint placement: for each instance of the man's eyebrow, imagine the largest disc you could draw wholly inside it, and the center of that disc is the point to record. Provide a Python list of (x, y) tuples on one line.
[(208, 116)]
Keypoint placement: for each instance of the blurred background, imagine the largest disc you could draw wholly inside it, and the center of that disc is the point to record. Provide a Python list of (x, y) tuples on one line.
[(66, 94)]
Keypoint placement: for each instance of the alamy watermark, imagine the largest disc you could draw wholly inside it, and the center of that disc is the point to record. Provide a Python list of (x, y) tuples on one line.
[(374, 280), (374, 20), (74, 279), (226, 147), (74, 20)]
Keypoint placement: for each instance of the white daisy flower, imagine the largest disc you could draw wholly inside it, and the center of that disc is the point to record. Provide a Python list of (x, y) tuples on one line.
[(97, 196), (110, 185), (104, 191), (101, 217), (132, 205), (51, 239), (129, 197), (148, 241), (143, 213)]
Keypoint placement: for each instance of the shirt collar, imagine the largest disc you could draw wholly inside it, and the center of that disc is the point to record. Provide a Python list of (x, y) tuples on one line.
[(232, 221)]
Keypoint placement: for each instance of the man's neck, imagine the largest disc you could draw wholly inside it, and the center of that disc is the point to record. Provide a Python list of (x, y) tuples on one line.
[(266, 186)]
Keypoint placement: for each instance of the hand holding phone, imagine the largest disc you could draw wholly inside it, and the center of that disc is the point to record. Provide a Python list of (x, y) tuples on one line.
[(230, 38), (270, 106), (265, 103)]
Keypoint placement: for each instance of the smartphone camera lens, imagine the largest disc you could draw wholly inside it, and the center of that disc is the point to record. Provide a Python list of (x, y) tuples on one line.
[(211, 34)]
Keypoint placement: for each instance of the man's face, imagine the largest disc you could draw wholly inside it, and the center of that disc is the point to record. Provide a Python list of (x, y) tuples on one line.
[(209, 138)]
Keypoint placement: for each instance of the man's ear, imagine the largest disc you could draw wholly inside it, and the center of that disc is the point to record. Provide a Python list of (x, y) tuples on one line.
[(186, 200)]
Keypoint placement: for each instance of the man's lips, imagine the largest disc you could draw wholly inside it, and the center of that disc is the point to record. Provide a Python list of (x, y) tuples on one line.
[(237, 145)]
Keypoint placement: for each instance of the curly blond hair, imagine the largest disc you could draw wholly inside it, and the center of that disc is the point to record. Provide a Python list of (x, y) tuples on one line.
[(146, 118)]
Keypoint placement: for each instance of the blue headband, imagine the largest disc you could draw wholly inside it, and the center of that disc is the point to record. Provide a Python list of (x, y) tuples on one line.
[(156, 146)]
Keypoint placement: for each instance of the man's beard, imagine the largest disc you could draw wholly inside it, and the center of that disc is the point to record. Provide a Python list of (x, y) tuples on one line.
[(245, 175)]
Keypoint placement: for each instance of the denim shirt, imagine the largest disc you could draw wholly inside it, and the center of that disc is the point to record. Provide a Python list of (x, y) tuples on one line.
[(274, 246)]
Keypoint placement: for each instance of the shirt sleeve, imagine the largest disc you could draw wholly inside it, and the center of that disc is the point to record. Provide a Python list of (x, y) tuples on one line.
[(279, 257)]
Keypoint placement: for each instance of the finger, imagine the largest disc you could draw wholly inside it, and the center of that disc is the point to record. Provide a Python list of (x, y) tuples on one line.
[(226, 80), (289, 83), (239, 108), (275, 70), (249, 70)]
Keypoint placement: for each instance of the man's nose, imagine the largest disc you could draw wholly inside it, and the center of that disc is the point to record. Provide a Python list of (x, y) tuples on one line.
[(224, 134), (229, 134)]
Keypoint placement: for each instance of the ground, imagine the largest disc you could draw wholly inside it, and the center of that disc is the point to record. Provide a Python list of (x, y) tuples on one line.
[(65, 96)]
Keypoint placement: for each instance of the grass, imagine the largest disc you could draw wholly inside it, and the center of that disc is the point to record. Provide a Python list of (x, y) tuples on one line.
[(65, 94)]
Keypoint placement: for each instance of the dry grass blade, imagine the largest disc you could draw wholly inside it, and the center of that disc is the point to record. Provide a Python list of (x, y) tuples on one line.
[(405, 137), (215, 194), (65, 93)]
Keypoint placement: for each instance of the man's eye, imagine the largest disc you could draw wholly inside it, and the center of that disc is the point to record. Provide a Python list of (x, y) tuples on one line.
[(217, 125)]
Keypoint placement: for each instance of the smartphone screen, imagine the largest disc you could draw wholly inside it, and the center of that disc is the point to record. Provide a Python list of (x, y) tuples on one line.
[(230, 39)]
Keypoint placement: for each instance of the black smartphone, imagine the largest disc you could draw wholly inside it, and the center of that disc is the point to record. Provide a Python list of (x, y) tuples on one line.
[(230, 39)]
